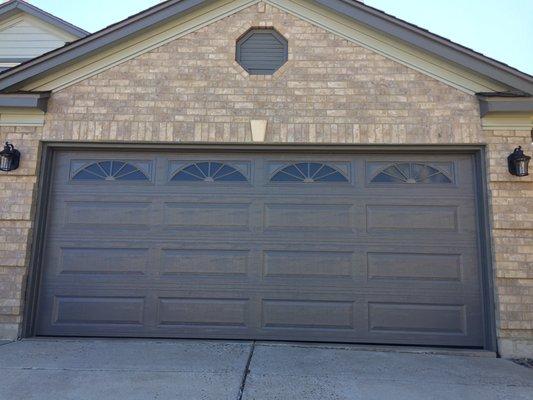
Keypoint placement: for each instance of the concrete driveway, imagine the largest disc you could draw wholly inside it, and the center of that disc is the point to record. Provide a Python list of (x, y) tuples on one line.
[(155, 369)]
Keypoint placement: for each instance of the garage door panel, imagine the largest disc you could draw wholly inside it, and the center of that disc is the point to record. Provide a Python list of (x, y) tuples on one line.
[(204, 262), (307, 314), (103, 261), (449, 319), (416, 216), (93, 261), (349, 259), (429, 323), (309, 265), (449, 266), (414, 267), (133, 214), (409, 218), (98, 310), (68, 311), (206, 312), (209, 216), (317, 218)]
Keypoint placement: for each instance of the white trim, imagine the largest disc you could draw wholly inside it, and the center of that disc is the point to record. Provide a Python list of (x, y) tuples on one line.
[(507, 122), (21, 117)]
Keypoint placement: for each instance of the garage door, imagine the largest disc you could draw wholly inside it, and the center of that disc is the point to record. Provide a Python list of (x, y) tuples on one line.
[(376, 248)]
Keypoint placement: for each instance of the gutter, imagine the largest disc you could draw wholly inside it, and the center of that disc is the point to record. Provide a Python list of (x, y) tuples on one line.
[(38, 100), (489, 104)]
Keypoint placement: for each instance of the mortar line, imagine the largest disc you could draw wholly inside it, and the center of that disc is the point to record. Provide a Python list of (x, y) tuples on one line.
[(246, 371)]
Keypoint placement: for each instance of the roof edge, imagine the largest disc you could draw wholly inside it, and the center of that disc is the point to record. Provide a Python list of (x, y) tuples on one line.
[(432, 43)]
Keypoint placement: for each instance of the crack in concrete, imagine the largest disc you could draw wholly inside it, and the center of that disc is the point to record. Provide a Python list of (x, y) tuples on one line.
[(246, 372)]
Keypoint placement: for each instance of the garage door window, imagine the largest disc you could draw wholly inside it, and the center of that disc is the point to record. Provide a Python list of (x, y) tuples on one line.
[(110, 171), (308, 173), (411, 173), (209, 172)]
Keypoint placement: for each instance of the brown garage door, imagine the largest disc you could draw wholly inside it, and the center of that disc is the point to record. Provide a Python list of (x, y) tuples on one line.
[(376, 248)]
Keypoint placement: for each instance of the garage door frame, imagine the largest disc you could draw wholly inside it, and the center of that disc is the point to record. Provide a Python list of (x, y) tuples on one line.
[(48, 149)]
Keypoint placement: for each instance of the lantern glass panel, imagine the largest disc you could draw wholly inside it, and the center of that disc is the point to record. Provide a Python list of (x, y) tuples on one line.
[(521, 167), (6, 162)]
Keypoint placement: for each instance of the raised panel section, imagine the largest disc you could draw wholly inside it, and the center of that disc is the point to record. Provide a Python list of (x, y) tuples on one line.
[(117, 214), (405, 218), (417, 318), (309, 217), (207, 216), (308, 314), (207, 312), (411, 266), (308, 264), (103, 261), (201, 262), (98, 310)]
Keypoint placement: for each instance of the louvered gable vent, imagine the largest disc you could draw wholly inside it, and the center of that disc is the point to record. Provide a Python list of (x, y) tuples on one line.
[(262, 51)]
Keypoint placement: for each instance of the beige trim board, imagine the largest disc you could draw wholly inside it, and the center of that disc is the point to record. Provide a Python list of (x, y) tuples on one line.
[(507, 122), (21, 117), (345, 27)]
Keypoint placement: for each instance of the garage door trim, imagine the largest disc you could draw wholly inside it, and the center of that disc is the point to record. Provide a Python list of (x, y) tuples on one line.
[(478, 151)]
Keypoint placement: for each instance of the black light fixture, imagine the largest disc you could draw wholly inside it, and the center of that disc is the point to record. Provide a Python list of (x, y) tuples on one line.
[(9, 158), (518, 162)]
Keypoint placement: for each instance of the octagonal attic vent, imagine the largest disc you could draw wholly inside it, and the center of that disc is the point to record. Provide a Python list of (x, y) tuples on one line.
[(262, 51)]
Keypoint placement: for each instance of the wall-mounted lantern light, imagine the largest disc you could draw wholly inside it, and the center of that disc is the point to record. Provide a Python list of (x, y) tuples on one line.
[(518, 162), (9, 158)]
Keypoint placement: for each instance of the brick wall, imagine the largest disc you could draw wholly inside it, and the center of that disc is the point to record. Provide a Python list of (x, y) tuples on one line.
[(330, 91), (512, 231), (17, 191)]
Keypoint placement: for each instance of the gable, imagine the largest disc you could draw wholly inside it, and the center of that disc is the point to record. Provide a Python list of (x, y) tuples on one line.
[(342, 26), (194, 88), (24, 37), (458, 66)]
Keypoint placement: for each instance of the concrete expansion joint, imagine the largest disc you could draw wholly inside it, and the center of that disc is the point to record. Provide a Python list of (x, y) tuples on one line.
[(246, 371), (391, 349)]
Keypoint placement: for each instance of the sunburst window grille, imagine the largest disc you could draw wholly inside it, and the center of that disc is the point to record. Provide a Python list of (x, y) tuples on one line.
[(411, 173), (309, 172), (209, 172), (110, 171)]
